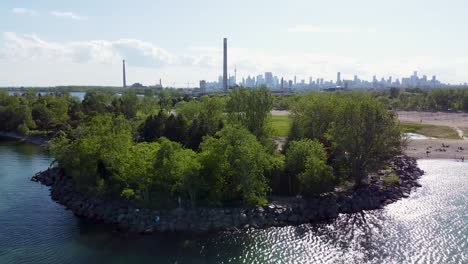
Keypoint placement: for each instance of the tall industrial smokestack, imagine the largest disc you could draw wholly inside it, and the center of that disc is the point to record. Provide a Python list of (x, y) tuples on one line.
[(225, 81), (124, 78)]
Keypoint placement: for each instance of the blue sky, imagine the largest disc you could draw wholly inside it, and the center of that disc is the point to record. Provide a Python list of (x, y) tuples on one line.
[(52, 42)]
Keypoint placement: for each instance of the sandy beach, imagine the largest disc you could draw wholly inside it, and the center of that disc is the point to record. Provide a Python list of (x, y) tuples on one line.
[(458, 121), (433, 149)]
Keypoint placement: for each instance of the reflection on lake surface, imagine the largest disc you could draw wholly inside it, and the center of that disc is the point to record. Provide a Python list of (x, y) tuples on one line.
[(428, 227)]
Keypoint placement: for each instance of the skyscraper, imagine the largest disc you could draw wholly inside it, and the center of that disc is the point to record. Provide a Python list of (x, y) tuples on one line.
[(338, 78), (202, 86), (269, 79), (124, 77), (225, 80)]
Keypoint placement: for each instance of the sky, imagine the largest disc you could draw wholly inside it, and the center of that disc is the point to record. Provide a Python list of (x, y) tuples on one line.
[(56, 42)]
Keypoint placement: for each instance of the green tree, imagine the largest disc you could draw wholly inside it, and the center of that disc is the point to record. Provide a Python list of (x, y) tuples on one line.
[(394, 92), (175, 128), (465, 102), (98, 102), (95, 154), (367, 134), (251, 109), (154, 127), (307, 168), (313, 115), (127, 104), (138, 172), (234, 167), (176, 173)]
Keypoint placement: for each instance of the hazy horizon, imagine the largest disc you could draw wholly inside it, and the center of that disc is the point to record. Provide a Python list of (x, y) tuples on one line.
[(53, 42)]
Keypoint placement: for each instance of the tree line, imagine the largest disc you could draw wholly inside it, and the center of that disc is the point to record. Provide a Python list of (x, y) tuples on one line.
[(417, 99), (160, 149)]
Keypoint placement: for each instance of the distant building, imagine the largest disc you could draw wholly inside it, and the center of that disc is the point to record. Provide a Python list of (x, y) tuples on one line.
[(203, 86), (269, 80), (137, 85)]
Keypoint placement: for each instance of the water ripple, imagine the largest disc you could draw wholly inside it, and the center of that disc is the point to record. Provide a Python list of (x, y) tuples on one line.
[(431, 226)]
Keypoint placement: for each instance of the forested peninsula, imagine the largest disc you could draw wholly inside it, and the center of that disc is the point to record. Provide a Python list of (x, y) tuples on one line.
[(171, 162)]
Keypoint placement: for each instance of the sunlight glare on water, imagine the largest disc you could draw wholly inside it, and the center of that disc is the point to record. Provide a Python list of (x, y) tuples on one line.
[(428, 227)]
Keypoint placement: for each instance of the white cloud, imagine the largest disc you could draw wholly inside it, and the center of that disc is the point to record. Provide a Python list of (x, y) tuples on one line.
[(31, 47), (98, 61), (70, 15), (321, 29), (23, 11), (288, 64)]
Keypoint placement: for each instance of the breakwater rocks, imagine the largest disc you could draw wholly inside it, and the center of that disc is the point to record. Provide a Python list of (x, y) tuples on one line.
[(280, 212), (40, 140)]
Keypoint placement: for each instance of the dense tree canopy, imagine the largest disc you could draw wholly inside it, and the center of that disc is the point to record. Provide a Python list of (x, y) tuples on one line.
[(307, 168), (366, 132), (236, 163), (165, 150), (251, 109), (362, 131)]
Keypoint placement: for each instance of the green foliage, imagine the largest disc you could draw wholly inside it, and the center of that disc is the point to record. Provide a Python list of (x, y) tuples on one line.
[(207, 111), (98, 101), (431, 99), (23, 129), (465, 103), (50, 112), (313, 115), (394, 92), (307, 168), (15, 114), (176, 173), (234, 167), (127, 104), (193, 121), (145, 150), (251, 109), (367, 133), (154, 127), (360, 132), (94, 154), (391, 179), (138, 171)]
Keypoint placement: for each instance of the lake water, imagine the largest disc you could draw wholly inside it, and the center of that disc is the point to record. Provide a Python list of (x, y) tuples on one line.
[(431, 226), (79, 95)]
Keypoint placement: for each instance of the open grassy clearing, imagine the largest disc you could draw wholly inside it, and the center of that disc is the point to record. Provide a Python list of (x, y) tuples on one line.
[(280, 125), (429, 130)]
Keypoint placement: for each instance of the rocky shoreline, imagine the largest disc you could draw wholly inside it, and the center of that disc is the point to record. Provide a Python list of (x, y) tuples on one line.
[(130, 217), (39, 140)]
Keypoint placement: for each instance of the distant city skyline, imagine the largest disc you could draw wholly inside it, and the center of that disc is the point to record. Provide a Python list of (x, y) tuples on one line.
[(51, 42), (310, 83)]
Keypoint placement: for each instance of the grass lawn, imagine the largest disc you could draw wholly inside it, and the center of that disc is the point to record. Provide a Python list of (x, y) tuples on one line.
[(429, 130), (281, 125)]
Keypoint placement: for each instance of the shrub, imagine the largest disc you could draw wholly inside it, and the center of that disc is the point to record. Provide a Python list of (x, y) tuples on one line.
[(307, 168)]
